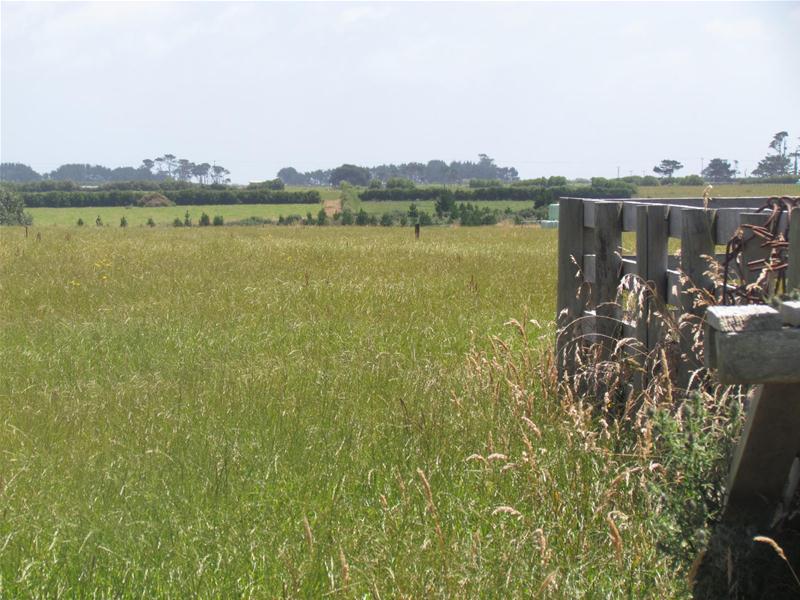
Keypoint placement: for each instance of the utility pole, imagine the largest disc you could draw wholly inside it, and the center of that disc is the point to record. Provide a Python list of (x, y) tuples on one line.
[(618, 170), (701, 165)]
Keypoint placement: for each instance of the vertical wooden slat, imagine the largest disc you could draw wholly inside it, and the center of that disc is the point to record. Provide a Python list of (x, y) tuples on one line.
[(652, 238), (752, 250), (793, 271), (697, 241), (642, 268), (570, 255), (608, 268)]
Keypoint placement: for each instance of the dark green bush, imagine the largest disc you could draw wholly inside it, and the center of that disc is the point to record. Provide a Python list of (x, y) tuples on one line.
[(12, 209), (205, 220), (184, 197)]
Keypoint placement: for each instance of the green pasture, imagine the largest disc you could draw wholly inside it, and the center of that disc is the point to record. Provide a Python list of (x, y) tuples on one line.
[(301, 413), (719, 190)]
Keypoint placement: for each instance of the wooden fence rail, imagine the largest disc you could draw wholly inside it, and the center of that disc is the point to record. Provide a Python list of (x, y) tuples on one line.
[(589, 252)]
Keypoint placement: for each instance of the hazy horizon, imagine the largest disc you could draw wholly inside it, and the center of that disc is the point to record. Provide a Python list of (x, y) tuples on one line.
[(551, 89)]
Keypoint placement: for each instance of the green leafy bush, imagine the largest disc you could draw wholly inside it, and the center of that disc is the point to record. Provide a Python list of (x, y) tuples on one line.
[(12, 209)]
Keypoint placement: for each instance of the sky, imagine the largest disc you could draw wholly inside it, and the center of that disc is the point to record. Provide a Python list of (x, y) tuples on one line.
[(575, 89)]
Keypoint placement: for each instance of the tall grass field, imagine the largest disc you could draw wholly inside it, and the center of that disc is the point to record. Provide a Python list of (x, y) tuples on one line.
[(302, 413)]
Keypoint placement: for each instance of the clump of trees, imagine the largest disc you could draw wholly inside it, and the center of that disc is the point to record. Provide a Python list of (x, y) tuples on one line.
[(719, 170), (779, 160), (166, 167), (182, 169), (667, 168), (434, 171)]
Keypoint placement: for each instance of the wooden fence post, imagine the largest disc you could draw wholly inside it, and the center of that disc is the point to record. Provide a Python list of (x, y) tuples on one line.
[(764, 455), (607, 274), (569, 305), (793, 270), (697, 241)]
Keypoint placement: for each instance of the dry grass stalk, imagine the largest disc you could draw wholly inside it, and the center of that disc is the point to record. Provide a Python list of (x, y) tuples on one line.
[(309, 534), (779, 551), (547, 583), (616, 538), (431, 507), (506, 510), (345, 568)]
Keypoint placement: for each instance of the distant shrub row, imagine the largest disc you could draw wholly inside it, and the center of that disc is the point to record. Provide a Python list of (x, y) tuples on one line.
[(538, 195), (56, 185), (193, 196)]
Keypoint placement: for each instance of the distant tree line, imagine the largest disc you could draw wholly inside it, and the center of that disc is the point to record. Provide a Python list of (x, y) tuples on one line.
[(192, 196), (162, 168), (539, 194), (778, 166), (432, 172)]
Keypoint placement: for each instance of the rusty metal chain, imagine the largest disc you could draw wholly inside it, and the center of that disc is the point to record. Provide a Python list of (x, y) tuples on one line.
[(772, 270)]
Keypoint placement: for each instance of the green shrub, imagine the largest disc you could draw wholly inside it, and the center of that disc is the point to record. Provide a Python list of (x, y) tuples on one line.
[(387, 220), (177, 222), (362, 218), (150, 222), (189, 196), (205, 220), (322, 217), (218, 221), (123, 222), (98, 221), (347, 217), (187, 220), (12, 209), (80, 222)]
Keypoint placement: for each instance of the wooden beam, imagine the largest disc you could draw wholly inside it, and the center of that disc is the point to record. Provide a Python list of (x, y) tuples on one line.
[(793, 271), (570, 303), (756, 356), (752, 249), (726, 225), (790, 313), (738, 319), (764, 455), (588, 268), (608, 263)]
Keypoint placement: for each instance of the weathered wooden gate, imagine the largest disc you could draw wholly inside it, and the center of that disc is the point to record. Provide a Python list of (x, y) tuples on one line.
[(753, 344)]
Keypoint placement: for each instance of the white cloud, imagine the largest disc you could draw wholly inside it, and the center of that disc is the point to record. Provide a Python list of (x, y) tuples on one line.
[(746, 28)]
